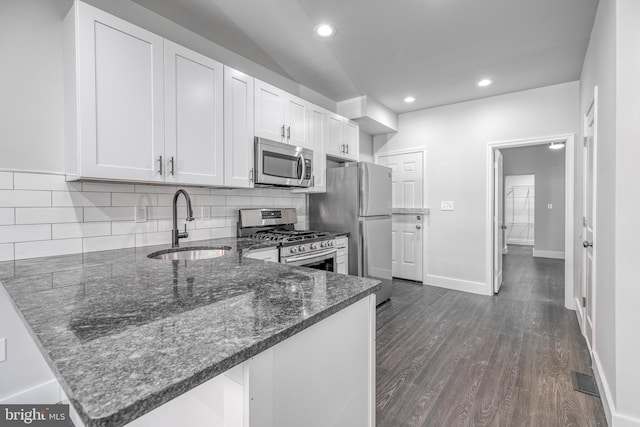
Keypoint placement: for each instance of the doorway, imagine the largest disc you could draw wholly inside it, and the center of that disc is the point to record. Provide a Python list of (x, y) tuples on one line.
[(495, 215), (519, 210), (408, 213)]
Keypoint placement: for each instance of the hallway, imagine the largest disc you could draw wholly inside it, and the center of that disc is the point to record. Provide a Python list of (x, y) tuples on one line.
[(447, 358)]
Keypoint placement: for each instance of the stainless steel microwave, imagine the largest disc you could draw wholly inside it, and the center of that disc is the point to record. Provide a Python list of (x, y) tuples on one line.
[(282, 164)]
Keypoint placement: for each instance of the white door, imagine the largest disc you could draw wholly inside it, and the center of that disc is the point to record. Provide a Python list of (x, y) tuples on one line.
[(498, 220), (121, 100), (193, 117), (333, 142), (588, 229), (269, 112), (297, 119), (238, 129), (407, 229)]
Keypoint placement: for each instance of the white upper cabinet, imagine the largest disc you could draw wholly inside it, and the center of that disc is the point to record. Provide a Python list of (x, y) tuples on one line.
[(317, 131), (280, 116), (342, 138), (238, 128), (114, 98), (193, 117)]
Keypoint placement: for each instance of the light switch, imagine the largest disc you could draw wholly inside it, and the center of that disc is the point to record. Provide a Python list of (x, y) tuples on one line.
[(206, 213), (549, 206), (3, 349), (141, 214), (446, 206)]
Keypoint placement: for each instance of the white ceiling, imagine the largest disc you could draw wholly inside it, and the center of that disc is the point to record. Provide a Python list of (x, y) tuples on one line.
[(435, 50)]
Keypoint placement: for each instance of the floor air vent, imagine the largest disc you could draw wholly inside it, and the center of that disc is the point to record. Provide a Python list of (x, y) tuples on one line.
[(584, 384)]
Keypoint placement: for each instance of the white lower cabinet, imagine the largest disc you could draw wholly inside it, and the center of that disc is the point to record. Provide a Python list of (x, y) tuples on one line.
[(269, 254), (322, 376), (342, 259)]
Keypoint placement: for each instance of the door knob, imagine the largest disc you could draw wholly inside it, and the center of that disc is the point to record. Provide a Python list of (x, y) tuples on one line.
[(418, 227), (504, 227), (418, 217), (587, 244)]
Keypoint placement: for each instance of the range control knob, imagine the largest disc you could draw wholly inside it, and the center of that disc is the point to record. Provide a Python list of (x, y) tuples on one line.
[(314, 246), (301, 248), (323, 244), (294, 250), (330, 243)]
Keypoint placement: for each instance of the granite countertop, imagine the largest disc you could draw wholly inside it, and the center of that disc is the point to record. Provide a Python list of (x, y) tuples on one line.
[(125, 334)]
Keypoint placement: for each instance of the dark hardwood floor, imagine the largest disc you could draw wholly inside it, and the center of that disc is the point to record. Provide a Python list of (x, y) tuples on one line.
[(447, 358)]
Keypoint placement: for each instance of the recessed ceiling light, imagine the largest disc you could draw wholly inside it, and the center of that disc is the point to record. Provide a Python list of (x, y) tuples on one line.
[(409, 99), (485, 82), (556, 145), (326, 30)]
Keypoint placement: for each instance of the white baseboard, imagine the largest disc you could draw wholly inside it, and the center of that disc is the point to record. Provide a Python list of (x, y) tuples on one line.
[(457, 284), (44, 393), (521, 242), (548, 254), (603, 388), (579, 313)]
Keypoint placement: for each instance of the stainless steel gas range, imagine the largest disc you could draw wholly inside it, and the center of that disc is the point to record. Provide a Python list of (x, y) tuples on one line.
[(314, 249)]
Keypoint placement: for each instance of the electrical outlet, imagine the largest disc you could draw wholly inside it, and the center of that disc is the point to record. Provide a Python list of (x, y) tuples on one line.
[(3, 349), (206, 213), (141, 214), (446, 206), (549, 206)]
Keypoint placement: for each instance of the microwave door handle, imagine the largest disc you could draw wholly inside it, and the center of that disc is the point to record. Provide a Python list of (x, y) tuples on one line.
[(302, 169)]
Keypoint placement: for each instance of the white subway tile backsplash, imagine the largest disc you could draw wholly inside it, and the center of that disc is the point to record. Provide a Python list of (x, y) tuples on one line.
[(109, 214), (6, 252), (47, 248), (7, 216), (6, 180), (39, 181), (105, 243), (24, 198), (149, 239), (48, 215), (239, 200), (59, 198), (108, 187), (43, 215), (130, 227), (24, 233), (81, 229), (134, 199)]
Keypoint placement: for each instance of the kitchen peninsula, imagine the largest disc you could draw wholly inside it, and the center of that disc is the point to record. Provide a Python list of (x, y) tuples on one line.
[(224, 341)]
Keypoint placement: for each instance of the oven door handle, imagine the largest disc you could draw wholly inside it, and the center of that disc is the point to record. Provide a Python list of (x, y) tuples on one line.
[(313, 256)]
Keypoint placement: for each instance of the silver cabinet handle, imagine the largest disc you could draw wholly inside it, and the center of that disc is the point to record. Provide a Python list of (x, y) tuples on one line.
[(587, 244), (251, 175), (289, 132), (282, 132), (160, 161), (173, 166), (347, 145), (418, 227)]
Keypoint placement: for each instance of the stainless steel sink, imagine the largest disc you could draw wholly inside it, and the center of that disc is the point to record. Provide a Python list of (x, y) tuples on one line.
[(193, 253)]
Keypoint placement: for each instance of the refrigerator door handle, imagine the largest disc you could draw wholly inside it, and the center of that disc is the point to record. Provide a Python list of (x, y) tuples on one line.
[(365, 252)]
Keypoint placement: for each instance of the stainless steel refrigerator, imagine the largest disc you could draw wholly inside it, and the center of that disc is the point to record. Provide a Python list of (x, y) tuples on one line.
[(358, 201)]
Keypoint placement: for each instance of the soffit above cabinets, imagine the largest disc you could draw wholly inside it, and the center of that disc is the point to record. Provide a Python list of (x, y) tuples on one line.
[(434, 50)]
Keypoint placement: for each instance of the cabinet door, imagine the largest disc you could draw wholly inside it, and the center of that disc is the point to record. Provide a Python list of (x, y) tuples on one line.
[(317, 130), (351, 139), (333, 142), (193, 117), (342, 264), (238, 129), (297, 122), (269, 112), (120, 100)]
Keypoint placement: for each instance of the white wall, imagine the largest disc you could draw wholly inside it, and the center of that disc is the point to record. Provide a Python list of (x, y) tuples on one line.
[(548, 167), (599, 69), (455, 138)]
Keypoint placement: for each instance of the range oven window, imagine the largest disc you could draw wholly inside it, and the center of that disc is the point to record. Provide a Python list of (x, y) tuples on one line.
[(325, 264), (280, 165)]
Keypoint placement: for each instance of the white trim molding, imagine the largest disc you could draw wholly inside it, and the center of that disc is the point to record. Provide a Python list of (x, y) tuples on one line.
[(548, 254), (569, 140), (456, 284)]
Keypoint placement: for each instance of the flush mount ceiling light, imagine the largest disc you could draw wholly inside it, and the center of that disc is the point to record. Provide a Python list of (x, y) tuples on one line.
[(326, 30), (556, 145), (485, 82), (409, 99)]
